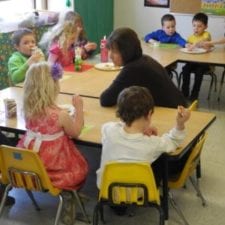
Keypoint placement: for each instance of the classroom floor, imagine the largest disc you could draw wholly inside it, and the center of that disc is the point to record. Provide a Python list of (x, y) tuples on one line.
[(212, 185)]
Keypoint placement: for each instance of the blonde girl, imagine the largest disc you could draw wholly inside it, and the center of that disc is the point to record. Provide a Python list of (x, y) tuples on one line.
[(87, 47), (60, 43), (49, 127)]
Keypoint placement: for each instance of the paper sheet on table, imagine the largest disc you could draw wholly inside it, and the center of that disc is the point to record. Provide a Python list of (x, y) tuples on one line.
[(86, 128), (65, 77)]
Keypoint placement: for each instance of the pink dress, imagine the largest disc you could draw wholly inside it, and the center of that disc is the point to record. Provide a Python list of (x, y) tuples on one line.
[(66, 166), (63, 59)]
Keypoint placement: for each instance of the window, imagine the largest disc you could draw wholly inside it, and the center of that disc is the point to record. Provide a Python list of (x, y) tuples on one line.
[(20, 6)]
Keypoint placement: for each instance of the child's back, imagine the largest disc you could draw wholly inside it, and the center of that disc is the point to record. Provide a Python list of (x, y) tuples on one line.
[(135, 139), (48, 132), (65, 165)]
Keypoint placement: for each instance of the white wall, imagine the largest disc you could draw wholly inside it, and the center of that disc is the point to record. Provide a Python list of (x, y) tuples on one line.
[(133, 14)]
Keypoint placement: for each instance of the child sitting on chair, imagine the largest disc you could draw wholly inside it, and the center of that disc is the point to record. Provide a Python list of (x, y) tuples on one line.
[(200, 24), (50, 128), (134, 138), (167, 34), (60, 43), (87, 47), (27, 54)]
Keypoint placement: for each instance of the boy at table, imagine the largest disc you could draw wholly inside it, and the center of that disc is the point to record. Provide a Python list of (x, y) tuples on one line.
[(134, 138), (167, 34), (200, 24), (25, 55)]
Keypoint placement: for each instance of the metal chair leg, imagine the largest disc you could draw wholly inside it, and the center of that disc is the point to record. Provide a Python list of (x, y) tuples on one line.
[(161, 214), (4, 197), (177, 208), (98, 211), (81, 205), (196, 187), (31, 196), (59, 210)]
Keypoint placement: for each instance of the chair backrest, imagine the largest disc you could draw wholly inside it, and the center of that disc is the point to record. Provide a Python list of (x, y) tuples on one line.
[(190, 164), (193, 106), (24, 169), (129, 182)]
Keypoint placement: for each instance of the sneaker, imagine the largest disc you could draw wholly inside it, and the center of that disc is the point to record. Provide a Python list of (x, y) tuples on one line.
[(10, 201), (69, 209)]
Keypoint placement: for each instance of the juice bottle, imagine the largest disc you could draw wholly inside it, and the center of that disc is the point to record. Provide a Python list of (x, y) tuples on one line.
[(104, 50)]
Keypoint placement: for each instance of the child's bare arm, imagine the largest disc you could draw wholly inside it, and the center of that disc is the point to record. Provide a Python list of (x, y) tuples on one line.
[(52, 58), (90, 46), (73, 125), (183, 115)]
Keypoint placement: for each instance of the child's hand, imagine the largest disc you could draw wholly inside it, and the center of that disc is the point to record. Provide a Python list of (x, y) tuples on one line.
[(35, 57), (151, 131), (183, 115), (207, 44), (77, 102), (90, 46), (154, 42), (189, 46)]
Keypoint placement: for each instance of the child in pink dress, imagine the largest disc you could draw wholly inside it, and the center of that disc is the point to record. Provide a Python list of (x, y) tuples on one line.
[(86, 46), (50, 128), (60, 43)]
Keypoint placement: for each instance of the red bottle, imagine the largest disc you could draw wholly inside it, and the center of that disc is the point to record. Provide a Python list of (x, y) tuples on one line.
[(104, 50)]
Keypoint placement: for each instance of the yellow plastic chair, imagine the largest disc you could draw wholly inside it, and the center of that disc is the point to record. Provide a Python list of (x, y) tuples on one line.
[(193, 106), (127, 183), (187, 172), (21, 168)]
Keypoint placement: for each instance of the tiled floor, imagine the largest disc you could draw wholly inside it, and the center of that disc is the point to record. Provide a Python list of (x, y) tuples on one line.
[(212, 185)]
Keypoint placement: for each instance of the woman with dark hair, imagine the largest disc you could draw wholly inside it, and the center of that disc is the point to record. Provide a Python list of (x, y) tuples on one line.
[(138, 69)]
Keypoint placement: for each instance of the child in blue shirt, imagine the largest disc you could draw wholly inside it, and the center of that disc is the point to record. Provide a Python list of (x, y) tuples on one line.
[(167, 34)]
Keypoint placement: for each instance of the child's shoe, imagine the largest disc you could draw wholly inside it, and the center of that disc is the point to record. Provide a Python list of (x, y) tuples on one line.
[(69, 209)]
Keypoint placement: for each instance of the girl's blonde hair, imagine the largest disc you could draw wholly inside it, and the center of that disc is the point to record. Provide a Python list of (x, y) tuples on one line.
[(40, 90), (75, 18), (60, 33)]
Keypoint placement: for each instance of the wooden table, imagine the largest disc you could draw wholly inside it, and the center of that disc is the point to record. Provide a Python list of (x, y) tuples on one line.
[(93, 82), (168, 56), (95, 116), (90, 83)]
